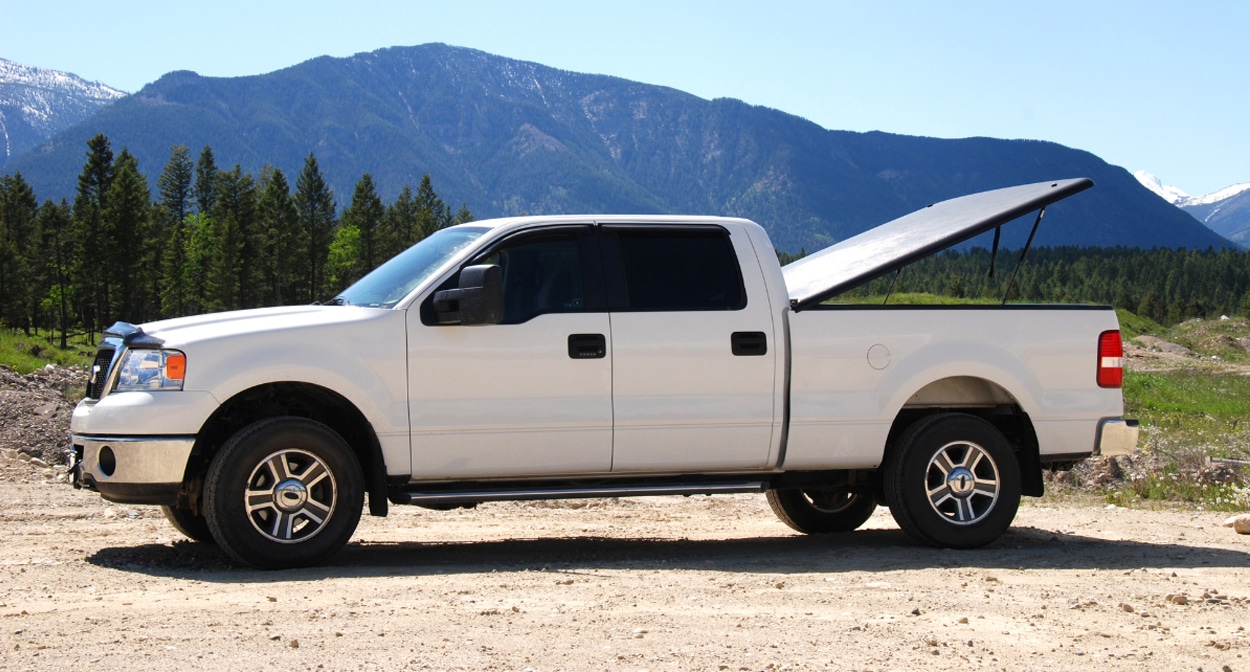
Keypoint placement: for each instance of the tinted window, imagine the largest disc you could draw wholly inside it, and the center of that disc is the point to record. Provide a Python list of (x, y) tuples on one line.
[(541, 274), (665, 269)]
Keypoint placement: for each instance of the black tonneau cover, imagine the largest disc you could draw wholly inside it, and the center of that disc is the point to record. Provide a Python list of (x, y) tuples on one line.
[(893, 245)]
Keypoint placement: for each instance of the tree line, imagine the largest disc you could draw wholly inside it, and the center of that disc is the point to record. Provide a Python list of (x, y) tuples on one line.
[(1166, 285), (209, 239)]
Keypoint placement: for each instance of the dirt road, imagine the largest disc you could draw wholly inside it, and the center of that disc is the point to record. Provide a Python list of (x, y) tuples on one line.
[(645, 584)]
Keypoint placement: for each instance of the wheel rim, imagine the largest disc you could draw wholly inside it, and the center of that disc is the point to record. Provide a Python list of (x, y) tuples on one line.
[(290, 496), (962, 483), (829, 501)]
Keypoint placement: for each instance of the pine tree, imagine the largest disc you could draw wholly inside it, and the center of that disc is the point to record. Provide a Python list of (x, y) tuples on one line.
[(175, 184), (431, 211), (365, 214), (18, 208), (95, 248), (55, 251), (280, 239), (314, 205), (401, 227), (206, 181), (128, 217), (232, 284)]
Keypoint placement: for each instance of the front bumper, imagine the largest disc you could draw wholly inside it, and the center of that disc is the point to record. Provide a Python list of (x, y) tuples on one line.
[(131, 469)]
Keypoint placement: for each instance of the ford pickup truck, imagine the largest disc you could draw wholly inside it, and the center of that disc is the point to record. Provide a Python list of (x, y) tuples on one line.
[(608, 356)]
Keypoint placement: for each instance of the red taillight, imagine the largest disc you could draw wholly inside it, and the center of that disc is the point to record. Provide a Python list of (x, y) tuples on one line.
[(1110, 359)]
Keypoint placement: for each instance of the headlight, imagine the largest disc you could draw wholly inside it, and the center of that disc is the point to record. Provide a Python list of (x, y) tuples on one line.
[(151, 370)]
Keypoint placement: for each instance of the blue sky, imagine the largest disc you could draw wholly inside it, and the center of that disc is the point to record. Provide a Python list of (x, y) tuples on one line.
[(1159, 86)]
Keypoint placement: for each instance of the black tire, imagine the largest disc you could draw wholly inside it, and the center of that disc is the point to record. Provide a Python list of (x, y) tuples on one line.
[(283, 492), (821, 511), (953, 481), (192, 526)]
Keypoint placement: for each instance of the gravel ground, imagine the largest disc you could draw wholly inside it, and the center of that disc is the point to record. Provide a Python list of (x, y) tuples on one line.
[(669, 583)]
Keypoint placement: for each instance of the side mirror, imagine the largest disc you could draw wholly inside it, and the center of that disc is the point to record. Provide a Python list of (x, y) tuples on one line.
[(479, 300)]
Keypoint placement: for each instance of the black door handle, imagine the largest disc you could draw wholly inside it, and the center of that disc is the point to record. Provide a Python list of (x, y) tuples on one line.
[(748, 343), (587, 346)]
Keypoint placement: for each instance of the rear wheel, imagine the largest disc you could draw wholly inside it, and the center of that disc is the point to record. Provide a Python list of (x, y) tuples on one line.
[(821, 511), (953, 481), (283, 492), (192, 526)]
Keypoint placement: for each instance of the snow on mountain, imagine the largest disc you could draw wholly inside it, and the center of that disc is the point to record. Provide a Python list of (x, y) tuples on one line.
[(1172, 195), (1216, 196), (36, 104), (1226, 212), (1176, 196)]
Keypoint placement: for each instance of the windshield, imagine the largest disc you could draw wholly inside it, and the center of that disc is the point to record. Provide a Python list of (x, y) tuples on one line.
[(387, 284)]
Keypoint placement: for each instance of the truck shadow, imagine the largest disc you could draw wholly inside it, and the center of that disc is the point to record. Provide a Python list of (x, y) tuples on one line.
[(865, 550)]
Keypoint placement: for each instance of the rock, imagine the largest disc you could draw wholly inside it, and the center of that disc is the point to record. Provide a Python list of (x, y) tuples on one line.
[(1127, 607), (38, 462), (1240, 523)]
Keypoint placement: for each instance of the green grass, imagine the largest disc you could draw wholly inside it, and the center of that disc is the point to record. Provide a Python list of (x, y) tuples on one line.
[(27, 353), (1189, 403), (1133, 325), (1189, 415)]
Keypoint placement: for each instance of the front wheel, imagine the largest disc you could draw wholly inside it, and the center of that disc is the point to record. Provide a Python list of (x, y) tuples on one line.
[(821, 511), (283, 492), (192, 525), (953, 481)]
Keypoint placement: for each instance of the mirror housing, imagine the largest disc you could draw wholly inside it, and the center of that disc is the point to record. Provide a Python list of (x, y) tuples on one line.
[(478, 300)]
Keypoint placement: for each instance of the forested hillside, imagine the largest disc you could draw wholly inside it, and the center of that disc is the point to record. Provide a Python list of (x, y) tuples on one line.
[(208, 239)]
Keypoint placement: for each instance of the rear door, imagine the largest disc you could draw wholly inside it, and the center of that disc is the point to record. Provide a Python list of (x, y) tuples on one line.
[(693, 349)]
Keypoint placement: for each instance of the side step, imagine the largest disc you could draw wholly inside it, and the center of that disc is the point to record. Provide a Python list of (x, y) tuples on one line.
[(457, 497)]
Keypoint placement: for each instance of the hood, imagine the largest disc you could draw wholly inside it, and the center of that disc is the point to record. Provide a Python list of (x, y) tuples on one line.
[(910, 238), (182, 331)]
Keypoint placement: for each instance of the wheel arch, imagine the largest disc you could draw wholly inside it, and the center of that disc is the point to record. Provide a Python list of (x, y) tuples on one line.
[(299, 399), (983, 398)]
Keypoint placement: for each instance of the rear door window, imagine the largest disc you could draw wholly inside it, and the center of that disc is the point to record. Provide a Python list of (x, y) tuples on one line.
[(670, 268)]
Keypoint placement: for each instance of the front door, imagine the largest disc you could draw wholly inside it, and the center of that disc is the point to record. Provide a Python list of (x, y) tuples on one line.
[(531, 396)]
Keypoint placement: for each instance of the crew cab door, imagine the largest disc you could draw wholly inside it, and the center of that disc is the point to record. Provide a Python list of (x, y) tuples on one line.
[(694, 349), (531, 395)]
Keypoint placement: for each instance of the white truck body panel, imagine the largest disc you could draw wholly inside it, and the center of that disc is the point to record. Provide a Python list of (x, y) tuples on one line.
[(868, 363)]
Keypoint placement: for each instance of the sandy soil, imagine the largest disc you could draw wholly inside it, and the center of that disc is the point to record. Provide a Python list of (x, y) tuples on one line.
[(644, 584)]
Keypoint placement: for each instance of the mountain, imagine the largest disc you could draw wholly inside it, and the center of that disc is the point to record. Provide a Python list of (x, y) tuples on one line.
[(1226, 212), (507, 137), (36, 104)]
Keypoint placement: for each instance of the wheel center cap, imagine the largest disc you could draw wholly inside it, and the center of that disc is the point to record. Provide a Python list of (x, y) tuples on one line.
[(290, 495), (961, 482)]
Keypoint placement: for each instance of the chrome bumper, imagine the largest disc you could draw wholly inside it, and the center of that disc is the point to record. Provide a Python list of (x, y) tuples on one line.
[(1116, 436), (129, 469)]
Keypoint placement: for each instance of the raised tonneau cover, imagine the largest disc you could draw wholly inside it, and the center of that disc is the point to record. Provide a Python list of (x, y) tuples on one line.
[(895, 244)]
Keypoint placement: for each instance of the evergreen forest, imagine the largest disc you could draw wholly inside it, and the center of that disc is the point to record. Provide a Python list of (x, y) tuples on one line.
[(208, 240), (212, 239)]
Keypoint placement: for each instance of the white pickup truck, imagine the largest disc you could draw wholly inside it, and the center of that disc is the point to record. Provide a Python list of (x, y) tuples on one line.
[(606, 356)]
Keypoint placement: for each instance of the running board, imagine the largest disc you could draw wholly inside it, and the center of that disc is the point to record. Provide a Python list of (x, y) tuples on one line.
[(475, 496)]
